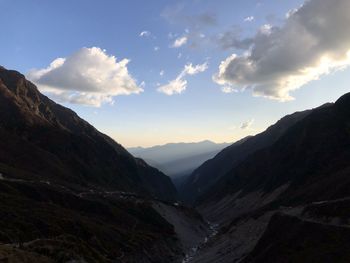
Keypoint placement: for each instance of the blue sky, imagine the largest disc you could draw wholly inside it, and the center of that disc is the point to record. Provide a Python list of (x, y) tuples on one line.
[(36, 32)]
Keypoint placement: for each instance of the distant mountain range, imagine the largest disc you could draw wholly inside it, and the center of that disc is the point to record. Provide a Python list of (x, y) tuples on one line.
[(178, 159)]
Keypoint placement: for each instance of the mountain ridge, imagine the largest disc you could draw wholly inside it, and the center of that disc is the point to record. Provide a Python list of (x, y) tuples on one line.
[(204, 176), (34, 121), (289, 199)]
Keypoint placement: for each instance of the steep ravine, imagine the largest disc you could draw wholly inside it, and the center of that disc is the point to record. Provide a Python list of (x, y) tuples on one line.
[(192, 254)]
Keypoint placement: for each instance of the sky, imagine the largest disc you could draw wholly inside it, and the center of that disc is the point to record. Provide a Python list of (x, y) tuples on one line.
[(157, 71)]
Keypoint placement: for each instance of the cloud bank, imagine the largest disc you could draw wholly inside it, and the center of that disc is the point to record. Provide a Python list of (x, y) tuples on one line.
[(89, 76), (314, 40), (178, 85)]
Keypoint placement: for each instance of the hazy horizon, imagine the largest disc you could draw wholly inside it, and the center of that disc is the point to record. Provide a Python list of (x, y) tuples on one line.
[(179, 71)]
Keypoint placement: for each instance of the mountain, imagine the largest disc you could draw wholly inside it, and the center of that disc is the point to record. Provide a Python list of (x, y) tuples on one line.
[(287, 201), (311, 155), (178, 159), (206, 175), (71, 194), (53, 143)]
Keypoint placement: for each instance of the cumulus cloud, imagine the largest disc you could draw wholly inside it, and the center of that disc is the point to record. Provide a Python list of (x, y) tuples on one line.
[(145, 34), (249, 19), (179, 42), (89, 76), (247, 124), (313, 41), (178, 85), (192, 70)]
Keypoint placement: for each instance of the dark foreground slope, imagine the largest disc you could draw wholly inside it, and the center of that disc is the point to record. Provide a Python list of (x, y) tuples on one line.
[(43, 221), (305, 241), (71, 194), (289, 201), (52, 143)]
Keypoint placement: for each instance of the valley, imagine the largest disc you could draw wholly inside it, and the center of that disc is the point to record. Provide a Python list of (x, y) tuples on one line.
[(177, 131), (71, 194)]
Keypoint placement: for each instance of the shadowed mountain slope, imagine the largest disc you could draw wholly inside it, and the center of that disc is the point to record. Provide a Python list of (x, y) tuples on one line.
[(71, 194), (205, 176), (311, 155), (288, 201), (53, 143)]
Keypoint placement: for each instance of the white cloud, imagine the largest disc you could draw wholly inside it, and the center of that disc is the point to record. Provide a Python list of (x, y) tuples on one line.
[(178, 85), (249, 19), (145, 34), (192, 70), (89, 76), (156, 48), (179, 42), (265, 29), (228, 89), (247, 124), (161, 73), (291, 12), (313, 41)]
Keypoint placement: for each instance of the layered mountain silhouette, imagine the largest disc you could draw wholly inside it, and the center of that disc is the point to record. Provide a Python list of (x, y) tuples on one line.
[(178, 159)]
